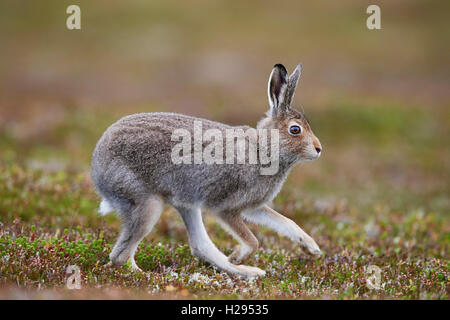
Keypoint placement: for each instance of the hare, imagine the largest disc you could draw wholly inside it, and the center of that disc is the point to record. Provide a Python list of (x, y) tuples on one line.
[(134, 173)]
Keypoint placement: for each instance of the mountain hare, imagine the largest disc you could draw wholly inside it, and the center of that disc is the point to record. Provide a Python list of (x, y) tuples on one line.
[(134, 172)]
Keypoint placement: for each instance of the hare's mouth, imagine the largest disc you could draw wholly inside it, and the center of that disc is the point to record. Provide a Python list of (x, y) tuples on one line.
[(311, 157), (313, 154)]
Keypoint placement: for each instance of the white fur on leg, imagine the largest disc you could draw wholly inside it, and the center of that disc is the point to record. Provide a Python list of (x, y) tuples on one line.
[(268, 217), (105, 208), (204, 248)]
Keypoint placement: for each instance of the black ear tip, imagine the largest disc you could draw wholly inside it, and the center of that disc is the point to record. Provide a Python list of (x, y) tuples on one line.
[(280, 67)]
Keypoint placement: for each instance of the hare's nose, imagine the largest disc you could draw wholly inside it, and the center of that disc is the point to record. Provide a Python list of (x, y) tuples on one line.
[(318, 149)]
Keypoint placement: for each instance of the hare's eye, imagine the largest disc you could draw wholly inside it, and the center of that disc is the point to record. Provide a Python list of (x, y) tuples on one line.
[(295, 130)]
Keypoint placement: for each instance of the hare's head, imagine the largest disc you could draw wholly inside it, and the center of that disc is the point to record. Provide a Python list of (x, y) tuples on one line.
[(297, 141)]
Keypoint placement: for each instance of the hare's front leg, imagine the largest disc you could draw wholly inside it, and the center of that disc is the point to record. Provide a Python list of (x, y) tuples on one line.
[(268, 217), (234, 224), (203, 248)]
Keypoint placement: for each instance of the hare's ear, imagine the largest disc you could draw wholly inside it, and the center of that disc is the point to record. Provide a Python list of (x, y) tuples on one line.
[(276, 88), (292, 85)]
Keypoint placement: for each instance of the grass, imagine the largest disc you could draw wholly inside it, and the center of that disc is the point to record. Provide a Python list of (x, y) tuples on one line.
[(410, 250)]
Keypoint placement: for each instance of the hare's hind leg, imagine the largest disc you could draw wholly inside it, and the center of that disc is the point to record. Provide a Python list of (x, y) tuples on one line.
[(234, 224), (137, 223), (203, 248)]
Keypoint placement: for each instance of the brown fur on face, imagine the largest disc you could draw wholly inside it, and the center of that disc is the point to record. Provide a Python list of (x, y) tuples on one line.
[(302, 147)]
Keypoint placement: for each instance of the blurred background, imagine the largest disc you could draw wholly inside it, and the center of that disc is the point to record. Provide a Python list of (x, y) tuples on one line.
[(378, 100)]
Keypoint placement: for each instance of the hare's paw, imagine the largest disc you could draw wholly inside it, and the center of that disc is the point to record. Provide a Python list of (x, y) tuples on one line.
[(134, 267), (240, 254), (250, 272), (310, 246)]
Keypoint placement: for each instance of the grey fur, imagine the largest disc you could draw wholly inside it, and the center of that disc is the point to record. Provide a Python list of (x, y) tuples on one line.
[(132, 170), (292, 85)]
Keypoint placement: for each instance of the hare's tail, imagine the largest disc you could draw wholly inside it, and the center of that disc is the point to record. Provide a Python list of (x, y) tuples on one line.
[(105, 207)]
